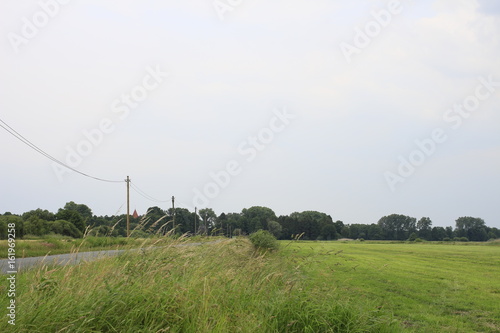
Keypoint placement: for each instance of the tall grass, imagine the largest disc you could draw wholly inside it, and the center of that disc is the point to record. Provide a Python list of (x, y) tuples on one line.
[(215, 287)]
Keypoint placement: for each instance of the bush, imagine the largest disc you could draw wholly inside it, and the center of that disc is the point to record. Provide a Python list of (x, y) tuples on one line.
[(461, 239), (263, 239), (412, 237)]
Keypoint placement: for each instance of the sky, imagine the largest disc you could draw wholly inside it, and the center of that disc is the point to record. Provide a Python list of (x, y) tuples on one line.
[(358, 109)]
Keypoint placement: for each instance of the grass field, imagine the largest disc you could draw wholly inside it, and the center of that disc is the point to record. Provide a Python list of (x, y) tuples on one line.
[(428, 287), (304, 287)]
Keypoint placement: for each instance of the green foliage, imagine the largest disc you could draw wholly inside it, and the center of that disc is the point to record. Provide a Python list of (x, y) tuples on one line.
[(412, 237), (72, 216), (11, 219), (275, 228), (397, 227), (256, 217), (64, 228), (264, 240)]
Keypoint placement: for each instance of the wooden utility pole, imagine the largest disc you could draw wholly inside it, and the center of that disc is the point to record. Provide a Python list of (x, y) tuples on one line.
[(128, 206), (195, 218), (173, 212)]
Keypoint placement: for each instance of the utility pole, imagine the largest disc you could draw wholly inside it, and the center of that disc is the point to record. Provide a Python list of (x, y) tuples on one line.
[(128, 206), (195, 218), (173, 212)]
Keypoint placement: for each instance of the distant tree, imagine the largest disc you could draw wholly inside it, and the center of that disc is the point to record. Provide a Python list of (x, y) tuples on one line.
[(471, 227), (449, 232), (438, 234), (5, 220), (64, 228), (275, 228), (208, 217), (375, 232), (36, 226), (338, 226), (329, 232), (257, 217), (424, 227), (345, 231), (233, 222), (72, 216), (83, 210), (397, 227), (413, 237), (184, 220), (40, 213)]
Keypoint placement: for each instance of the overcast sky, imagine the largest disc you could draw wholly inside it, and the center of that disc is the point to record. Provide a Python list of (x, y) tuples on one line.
[(358, 109)]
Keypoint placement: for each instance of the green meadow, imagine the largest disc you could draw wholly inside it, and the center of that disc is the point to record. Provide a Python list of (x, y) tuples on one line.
[(228, 286), (428, 287)]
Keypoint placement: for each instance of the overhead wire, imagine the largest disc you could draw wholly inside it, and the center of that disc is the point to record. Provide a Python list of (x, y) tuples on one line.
[(144, 194), (27, 142)]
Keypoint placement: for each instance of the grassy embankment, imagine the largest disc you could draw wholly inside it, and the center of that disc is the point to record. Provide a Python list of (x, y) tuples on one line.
[(429, 287), (305, 287), (218, 287)]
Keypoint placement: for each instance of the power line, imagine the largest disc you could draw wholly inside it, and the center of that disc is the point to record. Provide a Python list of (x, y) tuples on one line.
[(21, 138), (144, 194)]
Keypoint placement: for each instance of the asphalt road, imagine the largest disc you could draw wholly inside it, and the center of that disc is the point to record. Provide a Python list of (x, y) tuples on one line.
[(59, 259)]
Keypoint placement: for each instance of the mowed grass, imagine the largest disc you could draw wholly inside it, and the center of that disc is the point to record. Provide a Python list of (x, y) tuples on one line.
[(428, 287), (215, 287)]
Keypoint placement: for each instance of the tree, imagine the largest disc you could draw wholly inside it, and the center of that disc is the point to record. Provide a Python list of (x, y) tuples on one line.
[(208, 217), (471, 227), (311, 223), (40, 213), (397, 227), (36, 226), (257, 217), (11, 219), (83, 210), (64, 228), (275, 228), (329, 232), (72, 216), (424, 227), (338, 226), (438, 233)]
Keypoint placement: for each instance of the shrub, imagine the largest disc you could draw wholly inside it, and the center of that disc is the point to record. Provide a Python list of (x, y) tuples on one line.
[(412, 237), (263, 239), (461, 239)]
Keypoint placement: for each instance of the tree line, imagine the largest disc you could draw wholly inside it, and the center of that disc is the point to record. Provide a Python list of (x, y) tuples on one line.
[(77, 220)]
